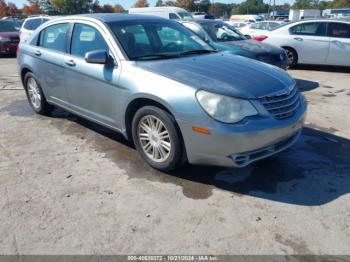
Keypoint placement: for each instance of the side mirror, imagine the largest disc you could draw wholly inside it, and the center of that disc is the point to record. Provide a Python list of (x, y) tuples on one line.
[(96, 57)]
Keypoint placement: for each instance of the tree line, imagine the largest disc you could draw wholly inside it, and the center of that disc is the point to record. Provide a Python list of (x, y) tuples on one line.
[(64, 7)]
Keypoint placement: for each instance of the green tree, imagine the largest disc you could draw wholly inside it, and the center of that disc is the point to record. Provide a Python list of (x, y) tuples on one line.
[(141, 3), (341, 4), (169, 3), (72, 6), (253, 7), (159, 3), (188, 5), (119, 9), (204, 5), (107, 8), (303, 4)]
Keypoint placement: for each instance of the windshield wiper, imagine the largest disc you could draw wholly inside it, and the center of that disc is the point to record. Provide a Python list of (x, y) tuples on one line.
[(197, 52), (153, 57)]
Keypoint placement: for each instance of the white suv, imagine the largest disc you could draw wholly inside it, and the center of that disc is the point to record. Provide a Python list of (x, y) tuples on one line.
[(30, 24)]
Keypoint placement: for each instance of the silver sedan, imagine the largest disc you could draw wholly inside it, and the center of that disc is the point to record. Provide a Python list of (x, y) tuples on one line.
[(162, 87)]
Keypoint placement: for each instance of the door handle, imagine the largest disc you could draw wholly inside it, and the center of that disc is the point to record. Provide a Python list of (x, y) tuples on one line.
[(37, 53), (70, 62), (298, 38)]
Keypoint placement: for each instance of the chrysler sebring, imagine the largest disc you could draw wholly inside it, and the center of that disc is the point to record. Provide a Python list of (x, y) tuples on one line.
[(162, 87)]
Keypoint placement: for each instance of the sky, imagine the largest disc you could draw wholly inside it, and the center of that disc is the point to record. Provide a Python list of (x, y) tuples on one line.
[(128, 3)]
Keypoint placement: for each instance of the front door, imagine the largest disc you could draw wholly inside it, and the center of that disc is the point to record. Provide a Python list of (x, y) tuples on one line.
[(92, 88)]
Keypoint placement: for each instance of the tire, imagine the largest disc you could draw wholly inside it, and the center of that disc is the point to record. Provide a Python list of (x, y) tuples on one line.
[(292, 56), (163, 152), (35, 95)]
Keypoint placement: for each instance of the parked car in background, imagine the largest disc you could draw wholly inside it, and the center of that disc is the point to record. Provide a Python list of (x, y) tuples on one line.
[(319, 41), (30, 24), (168, 12), (226, 38), (202, 15), (162, 87), (246, 18), (297, 14), (237, 24), (256, 29), (9, 37)]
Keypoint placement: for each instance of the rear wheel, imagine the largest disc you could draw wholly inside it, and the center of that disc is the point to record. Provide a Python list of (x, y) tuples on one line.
[(157, 139), (36, 96), (292, 56)]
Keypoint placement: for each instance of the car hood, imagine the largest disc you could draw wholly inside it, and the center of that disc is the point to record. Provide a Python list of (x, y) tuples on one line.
[(9, 34), (253, 46), (222, 73)]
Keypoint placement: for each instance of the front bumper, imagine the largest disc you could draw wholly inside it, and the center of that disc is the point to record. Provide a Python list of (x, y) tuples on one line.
[(8, 48), (237, 145)]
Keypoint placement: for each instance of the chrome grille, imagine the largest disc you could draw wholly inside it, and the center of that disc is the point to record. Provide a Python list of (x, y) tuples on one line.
[(282, 105)]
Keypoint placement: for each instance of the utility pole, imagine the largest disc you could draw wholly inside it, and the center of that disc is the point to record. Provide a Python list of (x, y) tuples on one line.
[(274, 10)]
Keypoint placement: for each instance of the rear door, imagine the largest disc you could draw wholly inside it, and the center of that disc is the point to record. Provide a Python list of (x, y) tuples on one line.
[(92, 88), (339, 51), (49, 65), (310, 41)]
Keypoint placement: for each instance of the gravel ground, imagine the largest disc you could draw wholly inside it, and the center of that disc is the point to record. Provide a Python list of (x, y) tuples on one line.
[(68, 186)]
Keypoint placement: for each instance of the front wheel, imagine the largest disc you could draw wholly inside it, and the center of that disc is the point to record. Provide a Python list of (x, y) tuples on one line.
[(157, 138)]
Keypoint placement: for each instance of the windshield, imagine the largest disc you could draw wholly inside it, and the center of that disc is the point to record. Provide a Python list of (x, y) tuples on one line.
[(6, 26), (185, 15), (222, 32), (147, 40)]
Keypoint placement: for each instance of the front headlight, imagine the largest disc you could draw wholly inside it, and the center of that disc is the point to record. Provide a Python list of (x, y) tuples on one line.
[(4, 40), (224, 108)]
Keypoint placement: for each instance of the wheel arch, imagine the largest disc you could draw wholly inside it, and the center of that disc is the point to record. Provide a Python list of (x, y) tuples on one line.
[(292, 48), (135, 105), (24, 71)]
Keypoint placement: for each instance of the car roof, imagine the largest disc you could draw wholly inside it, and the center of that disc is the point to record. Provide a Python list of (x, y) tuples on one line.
[(113, 17), (202, 21)]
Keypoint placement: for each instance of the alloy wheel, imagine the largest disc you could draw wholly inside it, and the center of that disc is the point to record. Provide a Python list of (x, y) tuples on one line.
[(154, 138)]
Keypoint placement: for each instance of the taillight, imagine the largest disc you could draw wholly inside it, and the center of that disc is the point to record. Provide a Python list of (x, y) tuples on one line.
[(259, 38), (17, 50)]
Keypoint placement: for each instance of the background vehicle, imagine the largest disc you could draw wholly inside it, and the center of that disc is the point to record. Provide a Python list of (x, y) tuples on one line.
[(297, 14), (336, 13), (9, 37), (202, 15), (319, 41), (237, 24), (168, 12), (30, 24), (164, 88), (226, 38), (256, 29), (246, 18)]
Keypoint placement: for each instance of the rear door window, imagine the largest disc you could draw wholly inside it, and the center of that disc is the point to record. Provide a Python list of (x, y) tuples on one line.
[(54, 37), (311, 29), (340, 30)]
